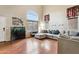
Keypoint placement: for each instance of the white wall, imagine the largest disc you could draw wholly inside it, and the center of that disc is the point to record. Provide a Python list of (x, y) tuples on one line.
[(57, 15), (58, 19), (18, 11)]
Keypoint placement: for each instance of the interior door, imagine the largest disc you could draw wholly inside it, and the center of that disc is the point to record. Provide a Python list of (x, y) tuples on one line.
[(2, 28)]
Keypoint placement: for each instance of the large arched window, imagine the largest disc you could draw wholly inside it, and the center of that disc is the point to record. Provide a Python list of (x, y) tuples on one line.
[(32, 19), (32, 16)]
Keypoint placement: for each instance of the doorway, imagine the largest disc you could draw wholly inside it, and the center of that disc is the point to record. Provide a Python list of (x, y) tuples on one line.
[(2, 28)]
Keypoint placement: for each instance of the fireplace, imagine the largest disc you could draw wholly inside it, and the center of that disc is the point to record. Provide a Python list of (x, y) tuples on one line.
[(17, 33)]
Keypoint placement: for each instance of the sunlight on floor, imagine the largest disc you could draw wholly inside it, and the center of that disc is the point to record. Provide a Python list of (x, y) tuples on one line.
[(46, 45), (36, 46), (32, 47)]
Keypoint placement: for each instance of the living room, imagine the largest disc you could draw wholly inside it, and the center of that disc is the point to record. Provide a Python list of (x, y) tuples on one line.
[(28, 29)]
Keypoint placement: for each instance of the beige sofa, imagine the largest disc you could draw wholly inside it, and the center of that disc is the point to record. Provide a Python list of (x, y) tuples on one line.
[(40, 35), (46, 35)]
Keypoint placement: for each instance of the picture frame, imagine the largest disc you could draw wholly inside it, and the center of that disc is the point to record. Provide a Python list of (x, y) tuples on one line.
[(47, 18), (17, 21)]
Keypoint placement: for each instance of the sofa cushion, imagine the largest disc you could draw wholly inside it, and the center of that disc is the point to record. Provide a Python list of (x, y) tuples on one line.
[(55, 32), (77, 34), (72, 33), (50, 31)]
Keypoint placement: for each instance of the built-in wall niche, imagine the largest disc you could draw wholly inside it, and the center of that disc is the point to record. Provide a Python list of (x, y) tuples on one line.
[(17, 22)]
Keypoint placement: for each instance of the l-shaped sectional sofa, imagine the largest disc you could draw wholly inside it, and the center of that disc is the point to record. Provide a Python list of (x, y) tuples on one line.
[(53, 34)]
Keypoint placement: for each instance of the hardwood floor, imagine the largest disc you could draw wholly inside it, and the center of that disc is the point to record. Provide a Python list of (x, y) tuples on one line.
[(29, 46), (14, 47)]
